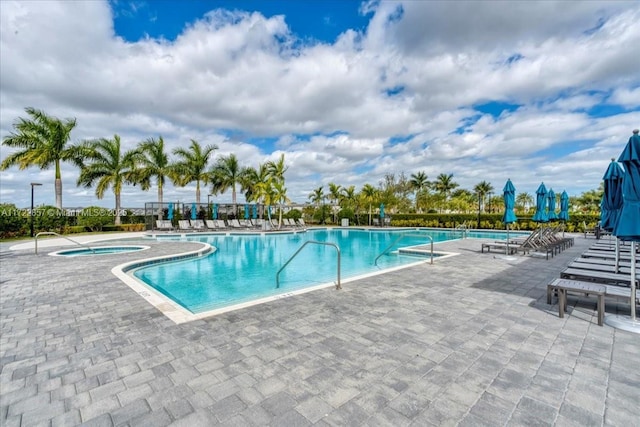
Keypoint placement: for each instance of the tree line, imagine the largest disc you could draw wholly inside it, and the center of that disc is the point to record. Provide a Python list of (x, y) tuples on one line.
[(44, 141)]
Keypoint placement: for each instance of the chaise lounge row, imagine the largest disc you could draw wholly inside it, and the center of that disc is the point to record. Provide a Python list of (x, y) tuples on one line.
[(219, 224)]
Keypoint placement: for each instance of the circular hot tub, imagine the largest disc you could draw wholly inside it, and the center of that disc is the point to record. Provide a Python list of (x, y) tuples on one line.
[(99, 250)]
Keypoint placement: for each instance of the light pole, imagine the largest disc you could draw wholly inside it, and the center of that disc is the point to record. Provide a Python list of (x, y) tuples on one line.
[(33, 184)]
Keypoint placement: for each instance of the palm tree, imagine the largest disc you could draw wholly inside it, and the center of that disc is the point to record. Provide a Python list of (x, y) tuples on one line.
[(152, 162), (524, 201), (419, 183), (280, 198), (226, 173), (444, 184), (250, 178), (334, 196), (192, 165), (108, 167), (369, 193), (316, 196), (277, 169), (43, 140), (482, 189)]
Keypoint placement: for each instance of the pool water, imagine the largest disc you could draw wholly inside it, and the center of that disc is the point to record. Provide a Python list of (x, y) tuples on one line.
[(244, 267)]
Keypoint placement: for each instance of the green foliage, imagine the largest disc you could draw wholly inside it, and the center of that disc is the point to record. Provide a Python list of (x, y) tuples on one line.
[(95, 218), (12, 220), (49, 218)]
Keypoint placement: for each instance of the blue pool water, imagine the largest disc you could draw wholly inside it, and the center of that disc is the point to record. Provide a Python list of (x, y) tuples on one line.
[(244, 267)]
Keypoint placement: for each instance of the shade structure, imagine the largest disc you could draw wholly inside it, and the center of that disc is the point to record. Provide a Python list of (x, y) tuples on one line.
[(628, 225), (381, 210), (214, 211), (509, 198), (551, 200), (540, 214), (612, 196), (170, 211), (246, 211), (194, 211), (564, 207), (255, 212)]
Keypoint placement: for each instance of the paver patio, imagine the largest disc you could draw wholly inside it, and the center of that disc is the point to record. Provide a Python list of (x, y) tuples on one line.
[(467, 341)]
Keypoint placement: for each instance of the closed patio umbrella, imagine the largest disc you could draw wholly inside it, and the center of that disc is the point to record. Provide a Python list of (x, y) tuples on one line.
[(551, 214), (540, 214), (628, 225), (255, 212), (194, 212), (381, 214), (612, 197), (214, 211), (170, 211), (564, 207), (246, 211), (509, 197)]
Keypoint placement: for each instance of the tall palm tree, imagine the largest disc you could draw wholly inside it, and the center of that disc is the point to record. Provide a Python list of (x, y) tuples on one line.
[(108, 167), (226, 173), (444, 184), (192, 165), (369, 193), (482, 189), (419, 183), (280, 198), (524, 201), (277, 169), (250, 178), (335, 196), (43, 140), (316, 196), (152, 161)]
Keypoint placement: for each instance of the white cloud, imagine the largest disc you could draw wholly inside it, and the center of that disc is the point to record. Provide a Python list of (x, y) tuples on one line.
[(415, 73)]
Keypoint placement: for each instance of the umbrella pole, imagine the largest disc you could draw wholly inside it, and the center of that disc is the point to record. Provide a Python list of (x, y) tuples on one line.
[(617, 255), (633, 281), (507, 238)]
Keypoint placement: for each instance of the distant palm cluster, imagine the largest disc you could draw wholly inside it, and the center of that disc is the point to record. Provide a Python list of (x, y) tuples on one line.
[(43, 141)]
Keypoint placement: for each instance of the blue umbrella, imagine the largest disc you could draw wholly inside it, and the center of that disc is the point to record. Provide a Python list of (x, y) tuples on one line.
[(564, 207), (381, 213), (214, 212), (255, 212), (541, 198), (246, 211), (194, 212), (551, 214), (628, 226), (509, 197), (170, 211), (612, 196)]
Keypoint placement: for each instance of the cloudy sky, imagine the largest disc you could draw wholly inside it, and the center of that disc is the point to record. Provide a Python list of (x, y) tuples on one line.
[(348, 91)]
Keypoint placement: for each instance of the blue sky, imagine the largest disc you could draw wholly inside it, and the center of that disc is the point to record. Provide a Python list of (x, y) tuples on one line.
[(348, 91)]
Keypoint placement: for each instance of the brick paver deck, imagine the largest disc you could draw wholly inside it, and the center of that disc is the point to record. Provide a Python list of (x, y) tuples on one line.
[(467, 341)]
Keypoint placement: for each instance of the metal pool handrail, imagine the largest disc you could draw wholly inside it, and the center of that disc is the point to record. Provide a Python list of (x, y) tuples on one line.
[(338, 286), (44, 233), (402, 236)]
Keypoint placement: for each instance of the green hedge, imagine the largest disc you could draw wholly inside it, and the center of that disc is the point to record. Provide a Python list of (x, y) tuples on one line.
[(487, 221)]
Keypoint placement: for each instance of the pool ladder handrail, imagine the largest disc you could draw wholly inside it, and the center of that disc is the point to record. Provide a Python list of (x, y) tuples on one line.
[(338, 286), (463, 227), (402, 236), (44, 233)]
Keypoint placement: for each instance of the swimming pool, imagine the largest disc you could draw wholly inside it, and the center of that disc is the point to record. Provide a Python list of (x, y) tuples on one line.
[(244, 267)]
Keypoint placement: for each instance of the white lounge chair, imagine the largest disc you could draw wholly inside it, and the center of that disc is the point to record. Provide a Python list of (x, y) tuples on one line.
[(164, 224), (198, 225)]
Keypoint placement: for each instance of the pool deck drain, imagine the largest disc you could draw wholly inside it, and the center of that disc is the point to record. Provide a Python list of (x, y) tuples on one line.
[(469, 340)]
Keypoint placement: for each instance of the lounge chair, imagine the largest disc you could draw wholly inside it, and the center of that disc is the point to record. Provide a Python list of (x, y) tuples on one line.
[(164, 224), (589, 231), (184, 225), (198, 225), (211, 224), (220, 224), (301, 223)]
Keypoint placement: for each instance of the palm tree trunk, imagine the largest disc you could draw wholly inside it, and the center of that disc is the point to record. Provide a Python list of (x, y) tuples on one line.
[(198, 192), (58, 186), (117, 221), (160, 211)]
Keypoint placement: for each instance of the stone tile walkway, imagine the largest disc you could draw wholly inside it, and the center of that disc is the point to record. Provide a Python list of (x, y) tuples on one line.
[(467, 341)]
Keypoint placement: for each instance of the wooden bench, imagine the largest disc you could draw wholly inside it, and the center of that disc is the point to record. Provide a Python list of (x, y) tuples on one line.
[(564, 286)]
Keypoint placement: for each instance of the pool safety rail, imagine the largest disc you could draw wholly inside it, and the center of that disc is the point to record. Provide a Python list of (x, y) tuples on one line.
[(463, 227), (402, 236), (308, 242), (53, 233)]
